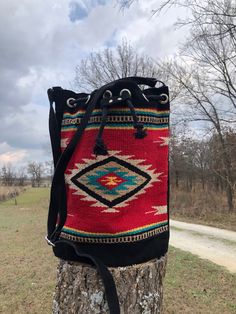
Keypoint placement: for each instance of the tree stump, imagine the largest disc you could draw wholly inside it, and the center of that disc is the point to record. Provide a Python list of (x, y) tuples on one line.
[(79, 289)]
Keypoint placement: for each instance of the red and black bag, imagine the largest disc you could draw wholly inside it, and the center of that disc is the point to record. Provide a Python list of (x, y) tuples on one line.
[(109, 194)]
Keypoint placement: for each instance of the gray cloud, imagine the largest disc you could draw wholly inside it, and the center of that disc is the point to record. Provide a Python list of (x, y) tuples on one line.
[(41, 46), (27, 129)]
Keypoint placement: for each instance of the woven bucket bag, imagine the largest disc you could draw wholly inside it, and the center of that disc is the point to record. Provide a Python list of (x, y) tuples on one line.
[(110, 189)]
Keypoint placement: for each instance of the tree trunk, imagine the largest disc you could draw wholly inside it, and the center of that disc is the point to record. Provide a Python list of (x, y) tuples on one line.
[(229, 193), (177, 179), (227, 170), (79, 289)]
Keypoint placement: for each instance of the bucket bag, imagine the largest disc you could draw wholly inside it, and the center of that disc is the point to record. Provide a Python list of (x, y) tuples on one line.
[(110, 190)]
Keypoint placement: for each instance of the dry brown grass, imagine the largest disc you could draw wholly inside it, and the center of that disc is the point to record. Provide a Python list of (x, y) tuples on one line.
[(8, 192), (205, 207)]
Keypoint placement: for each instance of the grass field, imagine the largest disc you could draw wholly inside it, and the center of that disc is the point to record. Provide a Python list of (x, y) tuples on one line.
[(28, 268)]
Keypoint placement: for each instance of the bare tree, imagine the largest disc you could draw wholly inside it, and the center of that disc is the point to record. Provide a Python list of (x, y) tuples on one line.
[(198, 102), (188, 160), (212, 43), (21, 176), (206, 73), (208, 78), (204, 12), (35, 170), (220, 13), (49, 169), (8, 175), (111, 64), (202, 158)]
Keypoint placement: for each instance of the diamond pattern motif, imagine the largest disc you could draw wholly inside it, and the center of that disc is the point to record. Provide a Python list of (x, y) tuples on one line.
[(111, 181)]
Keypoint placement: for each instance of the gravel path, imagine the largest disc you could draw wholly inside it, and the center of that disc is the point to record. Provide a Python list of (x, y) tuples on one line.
[(216, 245)]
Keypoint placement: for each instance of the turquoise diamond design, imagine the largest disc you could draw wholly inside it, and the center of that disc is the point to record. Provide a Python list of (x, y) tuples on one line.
[(127, 180), (111, 181)]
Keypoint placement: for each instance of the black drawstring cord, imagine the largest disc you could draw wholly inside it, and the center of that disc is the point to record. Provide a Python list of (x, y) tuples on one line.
[(141, 132), (100, 148)]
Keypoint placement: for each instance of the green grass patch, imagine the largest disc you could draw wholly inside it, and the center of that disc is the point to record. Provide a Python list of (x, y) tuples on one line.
[(28, 267), (29, 197), (193, 285)]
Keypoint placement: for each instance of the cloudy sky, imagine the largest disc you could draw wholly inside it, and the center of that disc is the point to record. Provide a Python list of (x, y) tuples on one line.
[(41, 44)]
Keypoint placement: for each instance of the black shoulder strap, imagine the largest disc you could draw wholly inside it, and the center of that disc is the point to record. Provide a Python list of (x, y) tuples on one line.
[(142, 80), (106, 276), (54, 130), (58, 194)]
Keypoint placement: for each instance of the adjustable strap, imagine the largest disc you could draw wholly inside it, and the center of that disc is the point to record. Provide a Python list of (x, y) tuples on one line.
[(58, 192), (107, 279), (54, 129)]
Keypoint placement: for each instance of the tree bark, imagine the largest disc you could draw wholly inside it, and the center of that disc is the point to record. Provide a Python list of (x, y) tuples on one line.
[(79, 288)]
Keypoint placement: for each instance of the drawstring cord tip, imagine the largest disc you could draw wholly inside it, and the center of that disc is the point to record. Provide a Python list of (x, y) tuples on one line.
[(141, 132), (100, 147)]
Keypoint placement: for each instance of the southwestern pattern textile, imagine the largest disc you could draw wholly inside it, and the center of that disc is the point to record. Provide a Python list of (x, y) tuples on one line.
[(120, 197)]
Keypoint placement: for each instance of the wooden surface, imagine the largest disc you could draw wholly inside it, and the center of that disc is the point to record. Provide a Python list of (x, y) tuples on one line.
[(79, 289)]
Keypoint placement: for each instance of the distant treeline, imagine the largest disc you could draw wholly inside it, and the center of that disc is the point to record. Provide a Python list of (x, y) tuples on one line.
[(206, 164), (36, 174)]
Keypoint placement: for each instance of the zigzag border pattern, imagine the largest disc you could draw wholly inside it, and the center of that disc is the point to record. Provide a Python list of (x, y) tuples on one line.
[(116, 239)]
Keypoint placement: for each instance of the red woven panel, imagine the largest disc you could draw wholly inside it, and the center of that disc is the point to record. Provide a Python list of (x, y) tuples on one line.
[(120, 197)]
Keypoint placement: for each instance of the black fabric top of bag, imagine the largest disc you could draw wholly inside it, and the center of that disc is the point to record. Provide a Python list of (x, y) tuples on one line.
[(60, 95)]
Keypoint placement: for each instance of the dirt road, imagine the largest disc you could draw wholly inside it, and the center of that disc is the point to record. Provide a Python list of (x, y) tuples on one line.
[(216, 245)]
